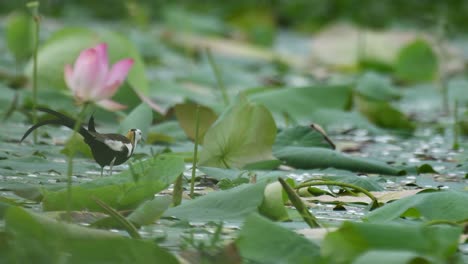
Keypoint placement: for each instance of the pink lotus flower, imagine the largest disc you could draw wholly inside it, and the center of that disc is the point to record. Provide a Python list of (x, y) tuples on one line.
[(90, 79)]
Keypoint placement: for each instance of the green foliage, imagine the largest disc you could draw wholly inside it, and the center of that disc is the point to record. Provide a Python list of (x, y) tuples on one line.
[(120, 191), (141, 117), (376, 87), (20, 35), (386, 256), (258, 23), (437, 243), (366, 183), (232, 204), (149, 211), (243, 134), (263, 241), (299, 150), (300, 103), (301, 136), (339, 119), (185, 114), (75, 144), (443, 205), (416, 62), (384, 115), (36, 238)]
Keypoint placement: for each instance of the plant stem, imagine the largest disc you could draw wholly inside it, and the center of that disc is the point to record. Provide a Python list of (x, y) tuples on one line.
[(375, 202), (218, 76), (442, 78), (127, 225), (34, 7), (195, 150), (77, 126), (177, 192), (456, 130), (308, 217)]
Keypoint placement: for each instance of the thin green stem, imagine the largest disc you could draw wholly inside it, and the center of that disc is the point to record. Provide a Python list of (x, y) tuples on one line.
[(195, 151), (71, 155), (375, 202), (218, 76), (456, 128), (440, 34), (308, 217), (34, 7), (127, 225)]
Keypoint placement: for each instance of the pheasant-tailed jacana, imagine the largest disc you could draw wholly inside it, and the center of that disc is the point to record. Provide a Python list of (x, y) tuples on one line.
[(107, 149)]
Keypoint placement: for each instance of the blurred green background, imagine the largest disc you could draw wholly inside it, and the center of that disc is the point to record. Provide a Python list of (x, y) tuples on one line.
[(306, 15)]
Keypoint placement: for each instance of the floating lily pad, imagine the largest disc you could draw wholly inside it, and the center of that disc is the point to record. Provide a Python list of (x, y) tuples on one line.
[(313, 158), (351, 240), (444, 205), (232, 204), (263, 241)]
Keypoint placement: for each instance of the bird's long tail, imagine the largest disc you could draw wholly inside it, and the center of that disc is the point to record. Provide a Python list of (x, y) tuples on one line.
[(60, 119)]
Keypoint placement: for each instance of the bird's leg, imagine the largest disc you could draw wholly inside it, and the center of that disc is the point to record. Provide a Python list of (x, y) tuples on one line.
[(102, 170), (111, 165)]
